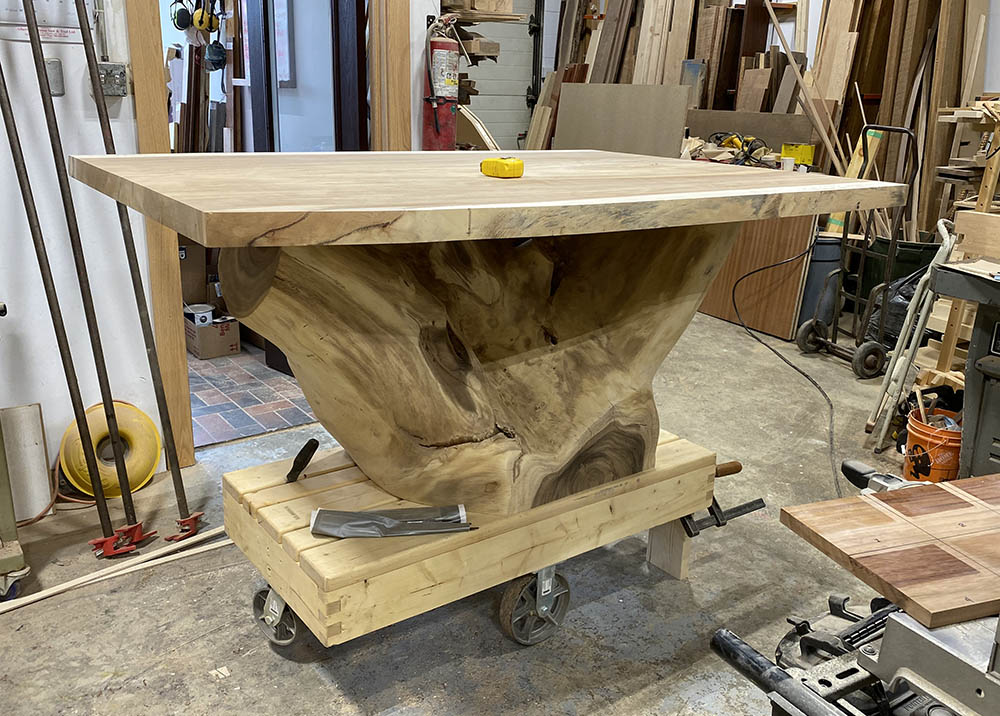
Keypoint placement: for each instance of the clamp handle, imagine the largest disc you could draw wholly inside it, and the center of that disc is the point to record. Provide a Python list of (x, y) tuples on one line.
[(302, 460)]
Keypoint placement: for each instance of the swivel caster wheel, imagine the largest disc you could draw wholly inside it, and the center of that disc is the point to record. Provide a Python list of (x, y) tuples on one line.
[(275, 619), (13, 592), (10, 583), (528, 617)]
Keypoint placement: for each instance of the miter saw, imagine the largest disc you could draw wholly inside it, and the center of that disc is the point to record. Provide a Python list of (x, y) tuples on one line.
[(883, 662)]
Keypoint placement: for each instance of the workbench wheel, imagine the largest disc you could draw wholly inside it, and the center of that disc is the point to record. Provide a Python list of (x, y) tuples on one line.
[(12, 593), (809, 338), (519, 617), (869, 359), (284, 631)]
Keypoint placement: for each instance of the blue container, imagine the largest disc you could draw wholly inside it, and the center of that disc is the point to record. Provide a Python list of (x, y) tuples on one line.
[(825, 258)]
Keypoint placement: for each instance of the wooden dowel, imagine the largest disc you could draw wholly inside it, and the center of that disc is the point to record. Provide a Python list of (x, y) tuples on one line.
[(112, 570), (163, 560)]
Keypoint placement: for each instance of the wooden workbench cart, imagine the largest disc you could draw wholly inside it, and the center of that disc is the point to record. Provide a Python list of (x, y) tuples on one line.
[(341, 589)]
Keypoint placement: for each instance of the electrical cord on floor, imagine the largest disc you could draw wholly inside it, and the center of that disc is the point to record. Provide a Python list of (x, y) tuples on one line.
[(753, 334)]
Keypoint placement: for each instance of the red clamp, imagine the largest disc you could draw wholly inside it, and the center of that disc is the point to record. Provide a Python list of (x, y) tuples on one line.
[(133, 534), (188, 526), (110, 546)]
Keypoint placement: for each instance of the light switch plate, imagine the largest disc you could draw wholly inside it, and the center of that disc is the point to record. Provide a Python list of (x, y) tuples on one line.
[(53, 68)]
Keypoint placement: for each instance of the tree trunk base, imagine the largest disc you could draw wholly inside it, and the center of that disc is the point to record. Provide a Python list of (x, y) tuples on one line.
[(492, 373)]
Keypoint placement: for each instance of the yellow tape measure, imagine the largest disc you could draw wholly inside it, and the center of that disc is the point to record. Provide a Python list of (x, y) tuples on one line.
[(502, 167)]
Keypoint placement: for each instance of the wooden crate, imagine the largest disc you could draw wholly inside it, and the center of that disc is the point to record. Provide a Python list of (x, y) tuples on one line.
[(342, 589)]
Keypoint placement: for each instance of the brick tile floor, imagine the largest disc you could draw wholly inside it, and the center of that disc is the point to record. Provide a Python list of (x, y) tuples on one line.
[(238, 396)]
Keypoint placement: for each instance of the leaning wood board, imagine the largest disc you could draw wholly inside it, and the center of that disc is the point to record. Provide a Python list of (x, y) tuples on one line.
[(934, 550), (152, 136), (342, 589), (768, 301), (287, 199)]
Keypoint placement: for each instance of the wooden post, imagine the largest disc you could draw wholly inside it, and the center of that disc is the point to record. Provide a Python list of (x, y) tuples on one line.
[(146, 56), (669, 549), (389, 74), (801, 25), (987, 188)]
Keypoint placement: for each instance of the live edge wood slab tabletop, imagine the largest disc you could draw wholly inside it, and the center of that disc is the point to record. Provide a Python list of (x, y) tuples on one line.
[(452, 357), (934, 550), (405, 197)]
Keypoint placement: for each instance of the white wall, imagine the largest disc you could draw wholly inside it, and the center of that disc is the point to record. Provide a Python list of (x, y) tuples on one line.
[(992, 83), (305, 112), (30, 370), (550, 33)]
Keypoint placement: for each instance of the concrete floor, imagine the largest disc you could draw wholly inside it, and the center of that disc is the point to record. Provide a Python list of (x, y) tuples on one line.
[(635, 641)]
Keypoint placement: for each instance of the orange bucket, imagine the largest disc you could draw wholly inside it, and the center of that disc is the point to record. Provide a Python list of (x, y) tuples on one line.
[(931, 453)]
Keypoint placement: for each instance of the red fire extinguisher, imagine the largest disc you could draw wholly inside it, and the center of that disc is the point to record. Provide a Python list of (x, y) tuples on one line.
[(441, 94)]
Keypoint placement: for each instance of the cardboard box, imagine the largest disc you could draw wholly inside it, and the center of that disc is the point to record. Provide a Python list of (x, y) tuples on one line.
[(193, 272), (219, 338)]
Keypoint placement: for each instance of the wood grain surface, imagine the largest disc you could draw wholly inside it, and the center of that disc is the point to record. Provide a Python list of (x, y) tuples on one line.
[(934, 550), (343, 588), (493, 373), (770, 300), (286, 199)]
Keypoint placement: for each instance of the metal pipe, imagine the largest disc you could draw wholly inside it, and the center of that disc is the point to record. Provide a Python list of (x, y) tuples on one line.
[(79, 411), (78, 257), (768, 676), (128, 239)]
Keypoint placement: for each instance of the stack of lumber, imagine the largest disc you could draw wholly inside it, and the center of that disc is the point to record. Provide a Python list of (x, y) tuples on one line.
[(475, 47), (977, 231), (635, 42), (897, 62), (717, 49), (488, 6), (481, 10), (543, 119), (971, 146)]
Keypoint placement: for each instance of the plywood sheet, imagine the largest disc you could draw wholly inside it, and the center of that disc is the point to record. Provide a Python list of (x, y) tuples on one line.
[(784, 101), (753, 90), (638, 119), (773, 129), (678, 41), (413, 197), (934, 550), (768, 301)]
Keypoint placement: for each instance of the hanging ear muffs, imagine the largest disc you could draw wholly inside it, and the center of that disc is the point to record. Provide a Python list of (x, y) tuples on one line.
[(203, 19), (180, 15)]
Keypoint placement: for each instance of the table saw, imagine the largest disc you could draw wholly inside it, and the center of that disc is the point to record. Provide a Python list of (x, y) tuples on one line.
[(930, 645)]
